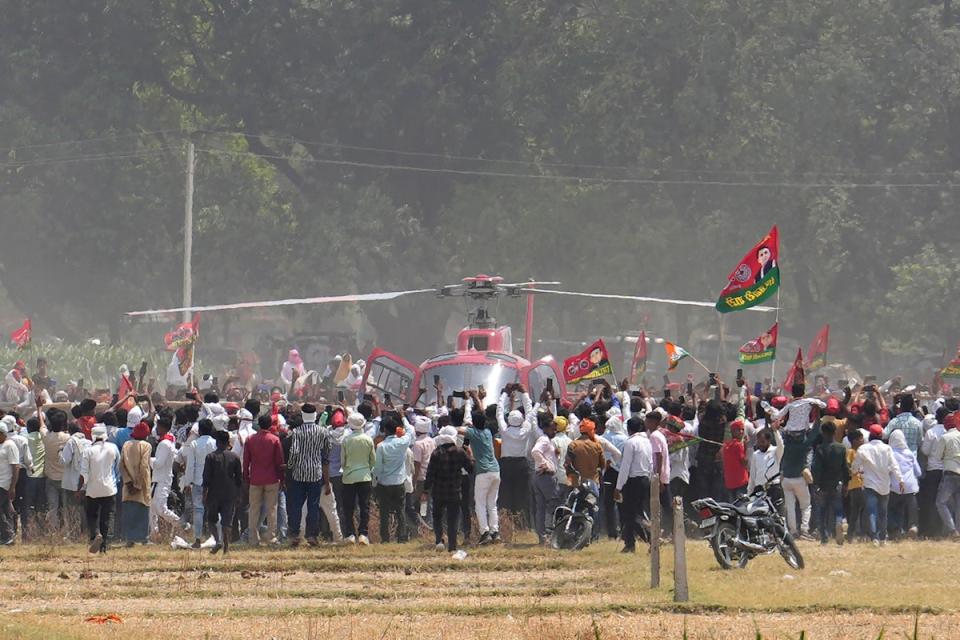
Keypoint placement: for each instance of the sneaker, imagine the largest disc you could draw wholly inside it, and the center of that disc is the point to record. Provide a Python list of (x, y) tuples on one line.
[(484, 538), (7, 543), (628, 550), (313, 542), (495, 537), (441, 547), (294, 542), (350, 540), (912, 533), (95, 544), (196, 543), (363, 541), (215, 548), (876, 542)]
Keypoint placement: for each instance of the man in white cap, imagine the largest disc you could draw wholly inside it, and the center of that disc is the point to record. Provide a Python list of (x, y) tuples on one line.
[(98, 481), (517, 434), (445, 468), (9, 473), (422, 449), (358, 459)]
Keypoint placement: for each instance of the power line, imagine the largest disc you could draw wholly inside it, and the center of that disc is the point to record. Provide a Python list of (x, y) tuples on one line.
[(571, 165), (592, 179), (115, 155), (117, 136)]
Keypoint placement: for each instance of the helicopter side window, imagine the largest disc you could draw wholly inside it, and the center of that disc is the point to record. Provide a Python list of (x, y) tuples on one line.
[(479, 343), (391, 377)]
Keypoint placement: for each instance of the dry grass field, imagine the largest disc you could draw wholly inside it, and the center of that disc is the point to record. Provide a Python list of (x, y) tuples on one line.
[(507, 592)]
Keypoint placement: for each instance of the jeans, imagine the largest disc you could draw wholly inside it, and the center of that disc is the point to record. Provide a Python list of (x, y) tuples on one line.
[(262, 497), (857, 514), (877, 513), (34, 492), (485, 490), (514, 495), (904, 512), (449, 513), (56, 505), (99, 513), (635, 507), (546, 498), (196, 497), (282, 521), (948, 500), (297, 493), (390, 501), (7, 516), (829, 510), (795, 490), (354, 495)]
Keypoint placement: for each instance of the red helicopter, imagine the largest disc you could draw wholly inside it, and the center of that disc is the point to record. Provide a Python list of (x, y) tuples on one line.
[(484, 351)]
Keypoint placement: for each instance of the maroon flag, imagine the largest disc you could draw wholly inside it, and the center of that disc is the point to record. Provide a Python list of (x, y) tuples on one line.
[(795, 375), (639, 364)]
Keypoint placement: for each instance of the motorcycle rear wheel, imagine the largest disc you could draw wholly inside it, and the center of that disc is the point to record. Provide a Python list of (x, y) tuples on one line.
[(574, 539), (725, 551)]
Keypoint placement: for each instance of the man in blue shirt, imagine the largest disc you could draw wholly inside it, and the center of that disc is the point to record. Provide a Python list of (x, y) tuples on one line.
[(390, 471)]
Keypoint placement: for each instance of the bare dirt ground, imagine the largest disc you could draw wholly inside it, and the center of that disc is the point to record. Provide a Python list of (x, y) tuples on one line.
[(507, 592)]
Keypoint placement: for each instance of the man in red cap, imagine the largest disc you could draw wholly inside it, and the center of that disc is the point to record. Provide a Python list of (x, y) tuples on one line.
[(946, 451), (876, 465)]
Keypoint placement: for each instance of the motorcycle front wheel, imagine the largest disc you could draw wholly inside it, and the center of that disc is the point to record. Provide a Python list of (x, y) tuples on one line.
[(571, 533), (725, 550), (790, 552)]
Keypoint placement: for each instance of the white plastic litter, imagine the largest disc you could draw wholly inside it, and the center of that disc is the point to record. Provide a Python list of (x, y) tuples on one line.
[(841, 573), (459, 555), (180, 543), (787, 576)]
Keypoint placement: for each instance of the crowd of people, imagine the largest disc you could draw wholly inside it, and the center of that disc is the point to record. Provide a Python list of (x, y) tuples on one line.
[(866, 463)]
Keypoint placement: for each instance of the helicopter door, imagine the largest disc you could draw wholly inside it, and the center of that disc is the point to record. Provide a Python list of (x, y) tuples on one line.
[(388, 373), (536, 375)]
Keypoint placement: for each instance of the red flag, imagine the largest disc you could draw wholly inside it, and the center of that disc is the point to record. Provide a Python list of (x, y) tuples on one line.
[(182, 340), (796, 372), (818, 349), (22, 335), (638, 366), (755, 278), (593, 363)]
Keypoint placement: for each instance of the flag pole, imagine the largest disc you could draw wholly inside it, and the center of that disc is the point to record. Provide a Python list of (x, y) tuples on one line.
[(773, 363), (699, 363)]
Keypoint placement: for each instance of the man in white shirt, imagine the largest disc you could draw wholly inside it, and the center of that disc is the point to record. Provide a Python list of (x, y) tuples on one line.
[(163, 477), (798, 410), (517, 433), (633, 481), (765, 463), (9, 472), (946, 451), (195, 456), (98, 480), (931, 525), (546, 491), (875, 463)]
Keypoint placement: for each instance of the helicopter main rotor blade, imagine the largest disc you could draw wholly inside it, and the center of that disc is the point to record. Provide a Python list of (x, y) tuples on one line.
[(357, 297), (518, 285), (611, 296)]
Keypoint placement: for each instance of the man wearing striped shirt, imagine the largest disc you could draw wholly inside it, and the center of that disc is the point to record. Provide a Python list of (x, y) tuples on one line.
[(308, 463)]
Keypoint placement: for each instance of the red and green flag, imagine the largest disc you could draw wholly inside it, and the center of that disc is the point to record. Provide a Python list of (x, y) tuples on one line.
[(22, 336), (818, 349), (952, 370), (592, 363), (638, 366), (761, 349), (756, 278)]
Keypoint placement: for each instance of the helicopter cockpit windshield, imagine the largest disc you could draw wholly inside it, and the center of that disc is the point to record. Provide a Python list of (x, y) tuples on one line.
[(461, 376)]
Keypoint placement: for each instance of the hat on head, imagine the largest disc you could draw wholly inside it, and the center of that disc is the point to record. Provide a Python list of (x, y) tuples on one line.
[(952, 421), (20, 365), (422, 424), (833, 407), (898, 440), (514, 418), (447, 435), (876, 430), (99, 432), (779, 402), (736, 425), (356, 421), (134, 416), (3, 428), (309, 413), (141, 431), (588, 428), (338, 419), (562, 423)]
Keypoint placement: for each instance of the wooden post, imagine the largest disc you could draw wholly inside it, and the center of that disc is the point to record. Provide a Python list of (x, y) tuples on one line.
[(680, 591), (655, 531)]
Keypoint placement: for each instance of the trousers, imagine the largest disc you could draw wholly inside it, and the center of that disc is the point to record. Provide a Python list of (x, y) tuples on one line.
[(948, 500), (390, 501), (99, 514), (159, 509), (263, 496), (546, 498), (877, 513), (796, 491), (635, 507), (356, 495), (446, 513), (486, 487)]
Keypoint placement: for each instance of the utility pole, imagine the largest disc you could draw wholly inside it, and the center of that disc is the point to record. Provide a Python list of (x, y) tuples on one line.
[(188, 235)]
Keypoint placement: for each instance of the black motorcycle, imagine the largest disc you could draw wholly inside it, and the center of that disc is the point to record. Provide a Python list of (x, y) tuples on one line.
[(573, 520), (749, 527)]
